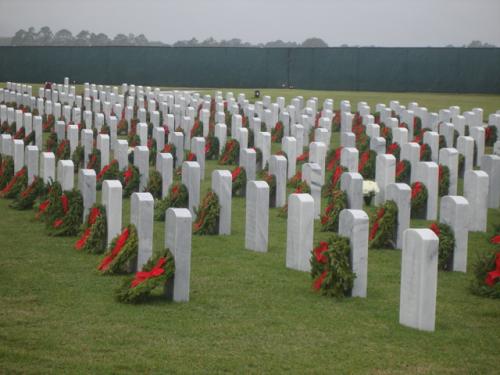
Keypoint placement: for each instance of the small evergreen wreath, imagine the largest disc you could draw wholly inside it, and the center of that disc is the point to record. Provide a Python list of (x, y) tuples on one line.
[(444, 180), (170, 149), (302, 158), (26, 198), (394, 149), (68, 224), (197, 129), (51, 143), (178, 197), (93, 237), (63, 151), (366, 166), (108, 172), (20, 134), (418, 198), (486, 281), (384, 226), (446, 245), (490, 135), (277, 133), (155, 273), (130, 180), (212, 147), (78, 157), (6, 170), (154, 184), (333, 181), (16, 184), (331, 268), (403, 171), (425, 152), (330, 219), (296, 180), (230, 153), (207, 215), (122, 250), (239, 179), (94, 161)]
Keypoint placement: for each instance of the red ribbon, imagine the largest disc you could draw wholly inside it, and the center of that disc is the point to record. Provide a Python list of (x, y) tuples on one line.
[(337, 175), (65, 203), (365, 156), (94, 214), (42, 208), (122, 239), (492, 276), (127, 175), (376, 224), (393, 147), (156, 271), (235, 173), (319, 252), (400, 167), (495, 240), (422, 150), (104, 170), (303, 157), (319, 280), (13, 181), (416, 189), (435, 228)]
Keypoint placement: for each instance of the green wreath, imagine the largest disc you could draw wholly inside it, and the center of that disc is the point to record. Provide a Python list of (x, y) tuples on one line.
[(154, 184), (333, 180), (155, 273), (63, 151), (109, 172), (197, 129), (446, 245), (69, 223), (444, 180), (331, 268), (178, 197), (26, 198), (6, 170), (212, 147), (403, 171), (78, 157), (384, 226), (486, 269), (130, 180), (122, 250), (330, 219), (16, 184), (51, 143), (207, 215), (425, 152), (490, 136), (277, 133), (93, 238), (94, 161), (367, 162), (239, 179), (296, 180), (230, 153), (418, 198)]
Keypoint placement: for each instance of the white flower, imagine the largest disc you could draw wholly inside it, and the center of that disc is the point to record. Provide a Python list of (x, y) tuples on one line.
[(370, 187)]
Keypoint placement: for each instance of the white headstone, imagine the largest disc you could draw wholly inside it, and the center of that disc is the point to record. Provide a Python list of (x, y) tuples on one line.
[(257, 216), (87, 187), (300, 232), (112, 201), (491, 165), (191, 178), (476, 192), (222, 186), (141, 215), (401, 195), (66, 174)]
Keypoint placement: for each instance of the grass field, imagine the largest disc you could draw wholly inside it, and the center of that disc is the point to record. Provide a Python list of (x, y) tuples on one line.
[(247, 314)]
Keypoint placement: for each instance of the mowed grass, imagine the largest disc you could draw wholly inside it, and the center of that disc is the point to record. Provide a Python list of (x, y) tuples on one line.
[(247, 314)]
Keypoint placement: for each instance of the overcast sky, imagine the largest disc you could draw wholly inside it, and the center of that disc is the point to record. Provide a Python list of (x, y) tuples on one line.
[(353, 22)]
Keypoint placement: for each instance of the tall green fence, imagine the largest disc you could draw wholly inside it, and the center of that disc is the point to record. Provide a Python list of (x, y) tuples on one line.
[(371, 69)]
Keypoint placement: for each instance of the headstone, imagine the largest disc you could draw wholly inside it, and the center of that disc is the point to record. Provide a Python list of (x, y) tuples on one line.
[(221, 135), (165, 166), (354, 224), (455, 212), (18, 145), (73, 137), (449, 158), (257, 216), (385, 174), (7, 144), (349, 158), (401, 195), (141, 161), (112, 201), (191, 178), (32, 162), (198, 148), (400, 136), (37, 128), (278, 168), (87, 187), (311, 174), (300, 232), (432, 140), (298, 133), (289, 147), (121, 154), (476, 192), (478, 134), (417, 305), (352, 184), (249, 162), (88, 144), (178, 142), (222, 186), (141, 215), (48, 167), (491, 165), (465, 146), (317, 154), (428, 174), (447, 130), (265, 147), (65, 174), (411, 152), (103, 146)]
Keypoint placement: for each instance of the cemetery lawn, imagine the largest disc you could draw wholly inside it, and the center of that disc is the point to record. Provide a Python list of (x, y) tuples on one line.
[(247, 314)]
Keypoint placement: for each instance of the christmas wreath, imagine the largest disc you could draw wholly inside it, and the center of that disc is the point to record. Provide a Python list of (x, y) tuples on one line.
[(51, 143), (63, 151), (20, 134), (230, 153), (93, 238), (26, 198), (271, 181), (239, 179), (333, 158), (333, 181), (446, 245), (154, 184), (95, 161), (170, 149), (122, 127), (366, 166), (302, 188), (122, 250), (48, 122), (486, 280), (207, 215), (394, 149), (302, 158), (153, 150), (177, 197), (331, 268), (130, 180), (444, 180), (212, 147), (425, 152), (108, 172), (330, 219), (386, 132), (29, 139), (418, 198), (16, 184), (258, 157), (277, 133), (189, 156), (384, 226), (6, 170), (490, 135), (78, 157), (403, 171), (295, 180), (68, 223), (197, 129), (155, 273)]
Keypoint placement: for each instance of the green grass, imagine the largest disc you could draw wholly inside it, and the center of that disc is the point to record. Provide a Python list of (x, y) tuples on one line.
[(247, 314)]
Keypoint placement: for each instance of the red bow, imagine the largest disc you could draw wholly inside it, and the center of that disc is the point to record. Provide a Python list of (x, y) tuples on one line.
[(127, 175), (104, 170), (495, 274), (235, 173), (319, 280), (156, 271), (495, 240), (435, 228), (319, 252), (336, 176), (42, 208), (116, 250), (365, 156), (94, 214), (65, 203), (417, 188)]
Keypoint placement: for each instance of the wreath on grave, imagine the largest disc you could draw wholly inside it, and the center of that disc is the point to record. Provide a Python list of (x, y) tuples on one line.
[(333, 158), (153, 150), (486, 270), (189, 156), (394, 149), (456, 134), (446, 245), (333, 181), (384, 225), (363, 142), (271, 181), (331, 268), (154, 184), (212, 147), (230, 153), (155, 273), (51, 143), (207, 215), (444, 180), (27, 197), (29, 139), (336, 122), (442, 141), (425, 152), (65, 212), (93, 238), (295, 180), (302, 158), (418, 197), (239, 179), (6, 170), (258, 157), (197, 129), (78, 157), (134, 140), (121, 251), (461, 164), (48, 122), (130, 180), (302, 188), (403, 171), (108, 172), (178, 197), (63, 151), (16, 184), (330, 219), (170, 149), (386, 132), (20, 134), (278, 132), (95, 160), (4, 129), (367, 162), (490, 135), (122, 127)]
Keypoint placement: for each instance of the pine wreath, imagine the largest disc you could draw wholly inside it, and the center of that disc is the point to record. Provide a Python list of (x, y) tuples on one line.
[(271, 181), (366, 166), (130, 180), (302, 158), (490, 135), (51, 143), (331, 268), (69, 223), (189, 156), (29, 139), (444, 180), (154, 184), (394, 149), (446, 245), (197, 129), (26, 198), (333, 181), (122, 250), (258, 157), (16, 184), (330, 219), (94, 161), (230, 153), (153, 150), (155, 273), (418, 198), (212, 147), (384, 226), (403, 171), (93, 237), (295, 180), (333, 158), (6, 170), (63, 151), (108, 172), (486, 281), (20, 134), (78, 157), (207, 215), (170, 149), (239, 179), (277, 133), (386, 132), (177, 197), (425, 152)]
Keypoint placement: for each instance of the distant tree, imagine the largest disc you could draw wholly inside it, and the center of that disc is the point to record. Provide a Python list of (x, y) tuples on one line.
[(121, 40), (83, 38), (209, 42), (100, 39), (141, 40), (314, 43), (21, 38), (479, 44), (63, 37), (44, 36)]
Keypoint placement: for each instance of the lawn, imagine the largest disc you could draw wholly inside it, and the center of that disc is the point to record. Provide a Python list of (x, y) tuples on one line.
[(247, 314)]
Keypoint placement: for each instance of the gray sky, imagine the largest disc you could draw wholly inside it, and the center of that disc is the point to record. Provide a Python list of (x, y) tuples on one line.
[(353, 22)]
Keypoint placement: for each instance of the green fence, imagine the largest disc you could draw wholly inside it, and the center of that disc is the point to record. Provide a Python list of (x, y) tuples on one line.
[(371, 69)]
